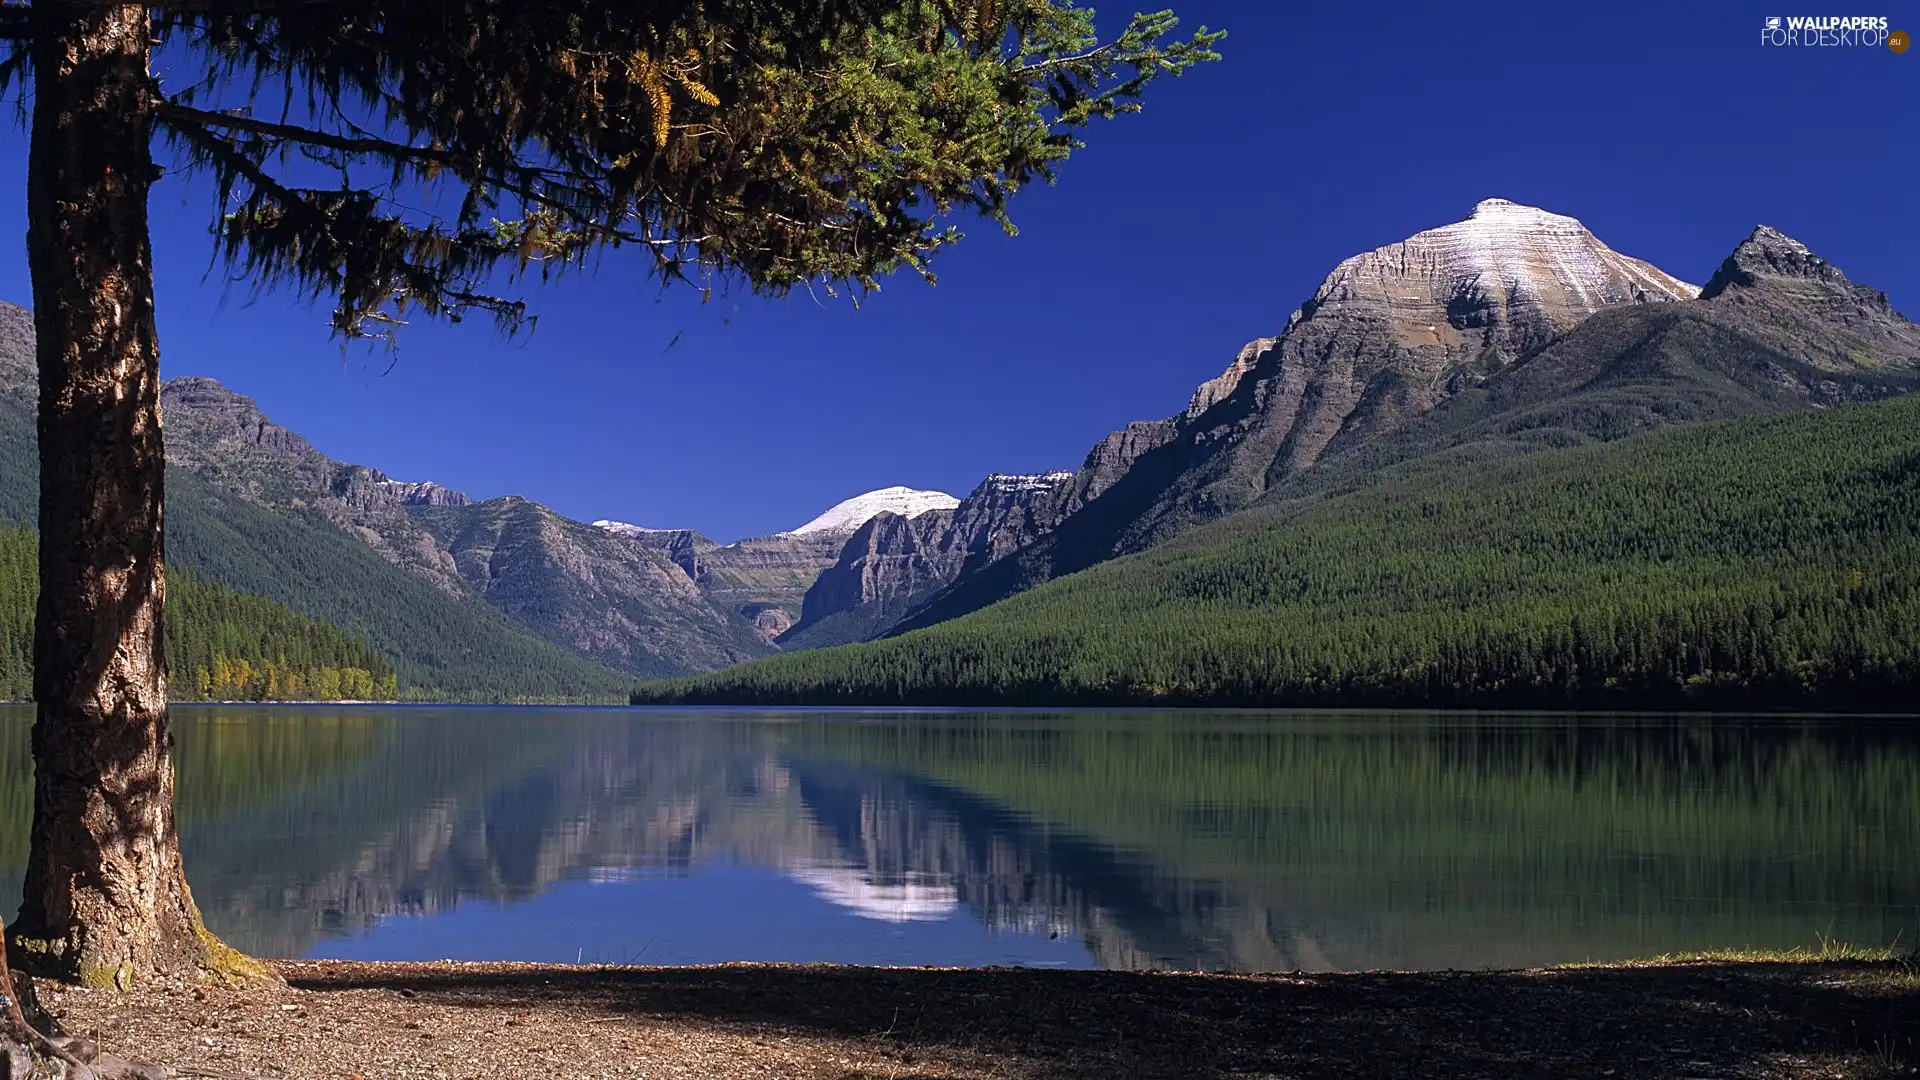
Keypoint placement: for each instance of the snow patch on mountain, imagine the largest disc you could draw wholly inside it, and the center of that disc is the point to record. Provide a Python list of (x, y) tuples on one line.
[(621, 528), (848, 516), (1515, 252)]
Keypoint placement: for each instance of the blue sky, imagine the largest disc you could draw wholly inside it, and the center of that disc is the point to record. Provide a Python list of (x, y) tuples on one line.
[(1173, 238)]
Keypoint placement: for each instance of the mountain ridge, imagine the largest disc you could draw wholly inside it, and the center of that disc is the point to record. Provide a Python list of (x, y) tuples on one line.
[(1512, 330), (1757, 563), (1762, 336)]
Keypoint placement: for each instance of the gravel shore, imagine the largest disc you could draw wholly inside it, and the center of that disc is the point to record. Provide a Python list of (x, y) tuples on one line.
[(485, 1021)]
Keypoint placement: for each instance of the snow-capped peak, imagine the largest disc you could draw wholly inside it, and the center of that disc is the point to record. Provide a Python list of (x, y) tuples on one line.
[(848, 516), (1533, 251), (621, 528)]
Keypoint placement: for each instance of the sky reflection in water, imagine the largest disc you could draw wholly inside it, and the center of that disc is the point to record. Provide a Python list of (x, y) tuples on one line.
[(1236, 841)]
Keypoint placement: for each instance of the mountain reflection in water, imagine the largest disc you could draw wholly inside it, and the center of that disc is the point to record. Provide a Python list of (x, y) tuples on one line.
[(1165, 840)]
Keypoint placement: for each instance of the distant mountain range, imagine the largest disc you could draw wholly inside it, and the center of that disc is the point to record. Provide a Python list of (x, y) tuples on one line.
[(1511, 331), (490, 599), (1430, 373)]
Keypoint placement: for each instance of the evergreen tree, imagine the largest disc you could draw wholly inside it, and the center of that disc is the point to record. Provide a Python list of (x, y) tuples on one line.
[(1771, 563), (233, 646), (771, 141)]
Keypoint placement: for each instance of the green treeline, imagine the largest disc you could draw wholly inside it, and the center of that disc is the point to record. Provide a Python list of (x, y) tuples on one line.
[(1763, 563), (444, 647), (222, 645)]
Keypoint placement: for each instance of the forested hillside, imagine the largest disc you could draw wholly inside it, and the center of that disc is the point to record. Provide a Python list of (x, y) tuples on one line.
[(1770, 562), (222, 645), (439, 645), (443, 647)]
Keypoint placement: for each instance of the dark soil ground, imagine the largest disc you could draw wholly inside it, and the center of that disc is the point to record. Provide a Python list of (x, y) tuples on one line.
[(379, 1021)]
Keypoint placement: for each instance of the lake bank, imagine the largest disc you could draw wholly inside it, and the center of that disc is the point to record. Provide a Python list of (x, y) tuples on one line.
[(1699, 1019)]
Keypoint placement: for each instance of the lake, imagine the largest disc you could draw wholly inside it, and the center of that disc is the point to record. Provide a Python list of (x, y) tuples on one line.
[(1235, 841)]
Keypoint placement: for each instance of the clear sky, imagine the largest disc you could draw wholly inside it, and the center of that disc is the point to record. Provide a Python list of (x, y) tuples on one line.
[(1177, 235)]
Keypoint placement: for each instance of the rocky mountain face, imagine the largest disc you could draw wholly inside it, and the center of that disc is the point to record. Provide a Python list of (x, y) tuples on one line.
[(225, 438), (1388, 336), (1777, 292), (425, 493), (1513, 329), (286, 534), (606, 596), (1006, 512), (763, 579), (883, 572), (893, 563)]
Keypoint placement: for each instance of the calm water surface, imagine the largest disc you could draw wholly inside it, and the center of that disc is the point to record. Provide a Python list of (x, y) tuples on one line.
[(1165, 840)]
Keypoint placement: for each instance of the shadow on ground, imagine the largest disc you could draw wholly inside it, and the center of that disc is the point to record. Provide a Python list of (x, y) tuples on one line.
[(1755, 1020)]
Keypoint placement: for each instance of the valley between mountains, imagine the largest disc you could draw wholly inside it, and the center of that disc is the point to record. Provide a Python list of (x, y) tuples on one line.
[(1494, 463)]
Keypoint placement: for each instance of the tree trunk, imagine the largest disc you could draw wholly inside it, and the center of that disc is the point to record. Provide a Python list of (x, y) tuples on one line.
[(106, 901)]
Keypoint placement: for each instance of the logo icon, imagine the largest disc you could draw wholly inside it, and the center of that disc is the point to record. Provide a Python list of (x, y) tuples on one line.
[(1773, 24), (1898, 41)]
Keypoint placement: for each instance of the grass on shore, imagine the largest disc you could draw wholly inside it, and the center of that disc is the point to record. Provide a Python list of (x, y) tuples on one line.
[(1894, 967), (1827, 951), (1796, 955)]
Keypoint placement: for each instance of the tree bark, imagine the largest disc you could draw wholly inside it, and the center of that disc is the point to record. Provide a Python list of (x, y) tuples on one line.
[(106, 902)]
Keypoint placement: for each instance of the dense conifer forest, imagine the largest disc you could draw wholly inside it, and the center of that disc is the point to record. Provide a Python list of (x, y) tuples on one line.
[(1769, 563), (222, 645)]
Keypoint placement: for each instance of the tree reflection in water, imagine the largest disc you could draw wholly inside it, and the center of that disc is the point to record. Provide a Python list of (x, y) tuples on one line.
[(1225, 841)]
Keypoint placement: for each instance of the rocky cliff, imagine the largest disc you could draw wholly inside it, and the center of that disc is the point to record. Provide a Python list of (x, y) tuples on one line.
[(606, 596), (224, 437), (1513, 329), (1388, 336), (763, 579), (893, 563)]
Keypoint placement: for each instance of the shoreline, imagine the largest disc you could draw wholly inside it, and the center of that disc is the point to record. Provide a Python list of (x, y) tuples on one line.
[(1755, 1019), (1224, 710)]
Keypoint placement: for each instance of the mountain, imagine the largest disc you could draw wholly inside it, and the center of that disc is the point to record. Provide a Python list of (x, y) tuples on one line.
[(224, 438), (763, 579), (602, 596), (1513, 330), (1761, 563), (767, 580), (893, 563), (255, 506), (606, 596), (332, 542), (844, 517)]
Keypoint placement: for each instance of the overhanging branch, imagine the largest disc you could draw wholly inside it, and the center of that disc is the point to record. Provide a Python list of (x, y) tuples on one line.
[(183, 117)]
